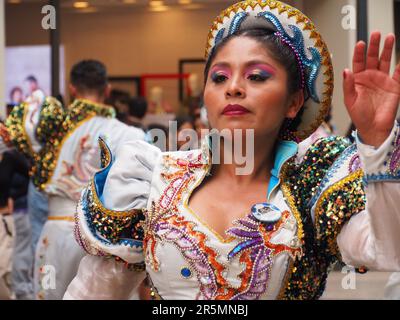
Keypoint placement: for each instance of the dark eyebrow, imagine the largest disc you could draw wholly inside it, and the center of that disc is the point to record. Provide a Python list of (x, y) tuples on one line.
[(220, 64), (248, 63), (253, 62)]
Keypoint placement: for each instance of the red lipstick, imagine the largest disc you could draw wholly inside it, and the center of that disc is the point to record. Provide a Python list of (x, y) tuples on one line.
[(234, 110)]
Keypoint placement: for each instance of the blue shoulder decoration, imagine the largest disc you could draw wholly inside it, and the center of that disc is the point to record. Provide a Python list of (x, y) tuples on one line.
[(110, 226)]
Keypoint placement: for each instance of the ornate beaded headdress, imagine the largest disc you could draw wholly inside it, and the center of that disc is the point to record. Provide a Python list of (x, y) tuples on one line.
[(300, 34)]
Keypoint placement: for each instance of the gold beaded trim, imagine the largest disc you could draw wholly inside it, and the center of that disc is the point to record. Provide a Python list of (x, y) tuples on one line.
[(63, 218), (291, 201), (112, 213), (319, 209), (336, 187), (16, 128), (106, 155)]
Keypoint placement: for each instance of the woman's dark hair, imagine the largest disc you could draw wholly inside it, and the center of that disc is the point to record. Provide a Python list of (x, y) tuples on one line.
[(31, 78), (279, 51)]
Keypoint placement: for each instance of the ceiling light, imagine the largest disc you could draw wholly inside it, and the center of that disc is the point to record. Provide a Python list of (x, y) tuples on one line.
[(88, 10), (159, 9), (81, 4), (157, 3)]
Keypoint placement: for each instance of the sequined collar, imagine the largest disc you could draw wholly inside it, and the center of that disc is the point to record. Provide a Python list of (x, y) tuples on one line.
[(285, 150), (82, 107)]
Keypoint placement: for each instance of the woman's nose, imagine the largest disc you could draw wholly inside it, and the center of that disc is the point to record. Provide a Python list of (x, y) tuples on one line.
[(235, 90)]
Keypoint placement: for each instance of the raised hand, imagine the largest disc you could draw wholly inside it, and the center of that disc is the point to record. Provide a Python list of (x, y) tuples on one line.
[(371, 95)]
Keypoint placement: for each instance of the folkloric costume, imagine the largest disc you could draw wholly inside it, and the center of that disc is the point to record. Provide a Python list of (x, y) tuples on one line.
[(62, 144), (14, 184), (6, 228), (338, 201)]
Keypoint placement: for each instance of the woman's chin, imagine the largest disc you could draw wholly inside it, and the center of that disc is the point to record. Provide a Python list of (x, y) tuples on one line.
[(235, 124)]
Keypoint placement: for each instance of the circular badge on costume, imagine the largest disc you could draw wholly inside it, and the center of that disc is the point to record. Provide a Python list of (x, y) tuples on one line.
[(266, 213)]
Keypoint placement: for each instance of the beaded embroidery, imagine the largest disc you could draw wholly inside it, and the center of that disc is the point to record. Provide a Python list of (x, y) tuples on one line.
[(259, 252), (392, 164), (307, 276), (311, 66), (74, 176), (355, 164), (350, 151), (5, 135), (77, 114), (51, 117), (164, 224), (108, 226), (336, 206)]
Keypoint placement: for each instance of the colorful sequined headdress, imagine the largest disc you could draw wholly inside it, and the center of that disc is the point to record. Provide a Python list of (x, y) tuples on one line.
[(297, 31)]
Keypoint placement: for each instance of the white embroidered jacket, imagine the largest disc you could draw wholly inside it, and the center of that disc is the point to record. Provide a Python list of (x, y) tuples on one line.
[(337, 201)]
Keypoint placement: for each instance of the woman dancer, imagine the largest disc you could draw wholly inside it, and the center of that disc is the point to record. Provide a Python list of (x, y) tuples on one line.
[(200, 230)]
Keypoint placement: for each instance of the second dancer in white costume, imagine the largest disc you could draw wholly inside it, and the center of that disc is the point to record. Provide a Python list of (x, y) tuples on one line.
[(67, 157)]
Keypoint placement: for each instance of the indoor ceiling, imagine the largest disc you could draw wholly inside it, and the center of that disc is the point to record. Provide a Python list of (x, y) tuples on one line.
[(113, 3), (107, 5)]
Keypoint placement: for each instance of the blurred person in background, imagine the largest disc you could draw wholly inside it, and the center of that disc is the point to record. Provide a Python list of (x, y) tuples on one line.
[(14, 180), (16, 96), (22, 127), (201, 122), (6, 222), (32, 85), (119, 99), (158, 135), (184, 123), (68, 156), (137, 111)]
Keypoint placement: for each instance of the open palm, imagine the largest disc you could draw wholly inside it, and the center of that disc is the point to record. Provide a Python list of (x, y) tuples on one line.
[(371, 95)]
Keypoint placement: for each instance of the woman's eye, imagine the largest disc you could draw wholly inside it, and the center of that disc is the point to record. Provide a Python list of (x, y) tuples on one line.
[(257, 77), (218, 78)]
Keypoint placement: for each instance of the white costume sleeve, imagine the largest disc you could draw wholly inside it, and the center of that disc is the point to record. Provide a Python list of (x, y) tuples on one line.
[(372, 238), (108, 224), (103, 279), (116, 134)]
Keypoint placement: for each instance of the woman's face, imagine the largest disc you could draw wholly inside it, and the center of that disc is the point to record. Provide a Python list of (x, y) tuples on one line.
[(17, 96), (247, 89)]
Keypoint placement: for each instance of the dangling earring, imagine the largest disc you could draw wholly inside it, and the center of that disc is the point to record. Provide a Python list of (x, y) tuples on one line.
[(286, 132)]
